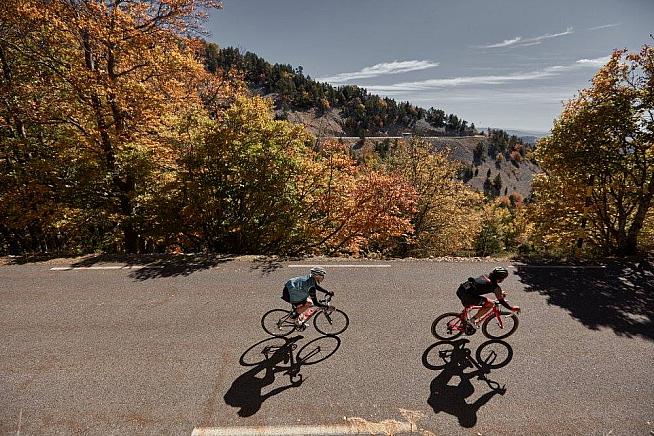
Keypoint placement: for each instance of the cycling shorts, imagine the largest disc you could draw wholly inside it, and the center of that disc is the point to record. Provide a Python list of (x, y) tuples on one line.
[(470, 300)]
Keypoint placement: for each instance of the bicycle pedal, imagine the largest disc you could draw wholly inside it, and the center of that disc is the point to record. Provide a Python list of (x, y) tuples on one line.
[(301, 327)]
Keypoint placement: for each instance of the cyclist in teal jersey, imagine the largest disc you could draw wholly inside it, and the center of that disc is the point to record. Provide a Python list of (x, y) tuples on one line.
[(301, 293)]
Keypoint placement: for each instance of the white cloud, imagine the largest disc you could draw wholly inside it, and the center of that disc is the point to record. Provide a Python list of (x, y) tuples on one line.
[(382, 69), (504, 43), (529, 44), (606, 26), (518, 41), (598, 62), (424, 85)]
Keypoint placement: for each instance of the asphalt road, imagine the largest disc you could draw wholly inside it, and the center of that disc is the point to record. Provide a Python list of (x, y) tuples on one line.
[(169, 348)]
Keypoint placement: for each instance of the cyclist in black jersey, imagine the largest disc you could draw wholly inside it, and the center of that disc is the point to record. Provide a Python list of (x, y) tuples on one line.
[(471, 293)]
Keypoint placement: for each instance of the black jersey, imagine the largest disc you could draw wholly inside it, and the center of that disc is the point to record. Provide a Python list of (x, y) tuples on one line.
[(482, 285)]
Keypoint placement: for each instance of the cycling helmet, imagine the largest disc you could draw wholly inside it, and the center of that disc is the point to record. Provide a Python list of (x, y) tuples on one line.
[(318, 270), (498, 273)]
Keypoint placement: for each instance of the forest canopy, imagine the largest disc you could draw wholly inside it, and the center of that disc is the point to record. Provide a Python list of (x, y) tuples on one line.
[(121, 131)]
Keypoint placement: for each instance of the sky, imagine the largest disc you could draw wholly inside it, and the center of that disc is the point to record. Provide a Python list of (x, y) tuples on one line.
[(507, 64)]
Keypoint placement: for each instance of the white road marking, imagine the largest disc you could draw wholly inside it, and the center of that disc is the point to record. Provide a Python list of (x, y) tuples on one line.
[(344, 266), (70, 268), (20, 421), (560, 266), (300, 430)]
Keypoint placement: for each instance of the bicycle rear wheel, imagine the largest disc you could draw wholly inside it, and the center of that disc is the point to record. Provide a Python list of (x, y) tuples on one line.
[(332, 323), (447, 326), (492, 329), (438, 355), (278, 322)]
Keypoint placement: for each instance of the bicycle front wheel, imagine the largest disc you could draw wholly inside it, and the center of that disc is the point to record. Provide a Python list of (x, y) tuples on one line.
[(278, 322), (493, 330), (447, 326), (332, 323)]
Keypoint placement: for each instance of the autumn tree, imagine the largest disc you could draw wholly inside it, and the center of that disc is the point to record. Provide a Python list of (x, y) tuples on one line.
[(113, 76), (598, 162), (351, 207), (446, 219), (238, 182), (30, 173)]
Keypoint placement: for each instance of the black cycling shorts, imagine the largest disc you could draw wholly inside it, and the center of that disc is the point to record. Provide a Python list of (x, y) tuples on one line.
[(470, 300)]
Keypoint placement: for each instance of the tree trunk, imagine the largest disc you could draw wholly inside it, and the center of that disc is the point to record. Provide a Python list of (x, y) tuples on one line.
[(627, 245)]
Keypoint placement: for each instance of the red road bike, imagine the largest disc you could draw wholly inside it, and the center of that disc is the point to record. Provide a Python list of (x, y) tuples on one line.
[(495, 324)]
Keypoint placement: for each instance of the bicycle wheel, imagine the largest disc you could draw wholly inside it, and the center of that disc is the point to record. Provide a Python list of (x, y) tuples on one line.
[(447, 326), (318, 350), (261, 351), (438, 355), (494, 354), (491, 327), (278, 322), (332, 323)]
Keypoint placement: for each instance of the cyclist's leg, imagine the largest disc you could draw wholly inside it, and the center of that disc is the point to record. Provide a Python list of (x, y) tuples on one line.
[(486, 306), (294, 310), (468, 300), (305, 310)]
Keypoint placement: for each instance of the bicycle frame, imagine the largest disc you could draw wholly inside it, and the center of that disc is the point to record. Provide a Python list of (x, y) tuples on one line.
[(465, 314), (287, 320), (326, 319), (313, 310)]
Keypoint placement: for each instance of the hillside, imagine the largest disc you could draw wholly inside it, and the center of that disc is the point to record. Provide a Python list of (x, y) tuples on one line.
[(360, 113), (494, 164), (515, 176)]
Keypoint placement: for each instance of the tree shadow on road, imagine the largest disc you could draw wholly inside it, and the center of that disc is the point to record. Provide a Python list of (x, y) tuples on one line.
[(181, 265), (452, 358), (617, 295), (267, 265), (271, 357), (143, 266)]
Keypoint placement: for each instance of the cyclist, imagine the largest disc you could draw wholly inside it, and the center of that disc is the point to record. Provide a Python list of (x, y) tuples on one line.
[(471, 294), (301, 293)]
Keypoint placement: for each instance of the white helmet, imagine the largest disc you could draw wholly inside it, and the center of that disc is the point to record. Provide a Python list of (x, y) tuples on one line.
[(318, 270)]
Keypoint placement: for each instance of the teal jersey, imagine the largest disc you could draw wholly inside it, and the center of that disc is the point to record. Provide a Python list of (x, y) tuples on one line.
[(299, 288)]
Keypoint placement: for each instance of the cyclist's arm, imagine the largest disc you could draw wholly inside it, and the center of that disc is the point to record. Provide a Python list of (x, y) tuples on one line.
[(314, 298), (500, 294), (504, 303), (323, 290)]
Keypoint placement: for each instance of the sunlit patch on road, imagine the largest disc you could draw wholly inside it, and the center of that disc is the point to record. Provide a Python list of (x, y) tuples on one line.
[(353, 425)]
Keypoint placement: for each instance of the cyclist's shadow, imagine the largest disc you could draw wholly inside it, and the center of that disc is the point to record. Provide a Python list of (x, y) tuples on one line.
[(268, 358), (453, 358)]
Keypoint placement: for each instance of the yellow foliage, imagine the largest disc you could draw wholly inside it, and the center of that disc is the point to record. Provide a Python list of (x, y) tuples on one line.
[(447, 218)]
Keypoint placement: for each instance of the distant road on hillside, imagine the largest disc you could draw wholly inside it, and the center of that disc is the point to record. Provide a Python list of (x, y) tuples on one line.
[(356, 138)]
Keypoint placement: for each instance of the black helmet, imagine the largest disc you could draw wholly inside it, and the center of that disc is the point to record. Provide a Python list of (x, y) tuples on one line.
[(498, 273)]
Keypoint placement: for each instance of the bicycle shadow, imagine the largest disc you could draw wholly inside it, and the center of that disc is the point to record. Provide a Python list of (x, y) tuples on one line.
[(453, 359), (269, 358)]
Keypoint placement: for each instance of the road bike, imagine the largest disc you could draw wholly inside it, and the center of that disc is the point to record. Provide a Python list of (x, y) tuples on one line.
[(327, 320), (495, 324)]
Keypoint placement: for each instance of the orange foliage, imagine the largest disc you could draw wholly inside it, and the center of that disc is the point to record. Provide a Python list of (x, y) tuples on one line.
[(353, 206)]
